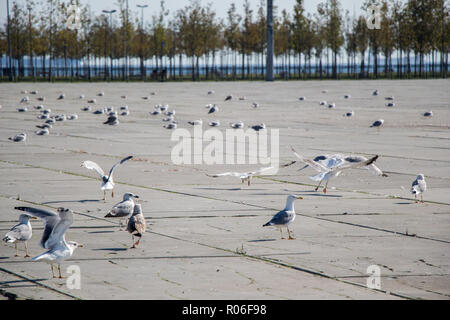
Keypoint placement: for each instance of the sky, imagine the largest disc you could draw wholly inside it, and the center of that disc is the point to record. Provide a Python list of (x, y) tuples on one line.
[(220, 6)]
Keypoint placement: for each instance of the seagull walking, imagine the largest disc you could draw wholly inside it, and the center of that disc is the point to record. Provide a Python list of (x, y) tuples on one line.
[(107, 180), (20, 232), (136, 224), (123, 209), (285, 217)]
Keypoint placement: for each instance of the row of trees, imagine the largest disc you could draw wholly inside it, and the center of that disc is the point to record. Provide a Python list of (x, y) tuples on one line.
[(328, 42)]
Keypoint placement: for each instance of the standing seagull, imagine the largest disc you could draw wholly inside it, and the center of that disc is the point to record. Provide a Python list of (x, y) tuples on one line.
[(112, 120), (244, 176), (284, 217), (19, 137), (326, 173), (136, 225), (228, 98), (377, 124), (53, 238), (20, 232), (419, 186), (107, 181), (123, 209)]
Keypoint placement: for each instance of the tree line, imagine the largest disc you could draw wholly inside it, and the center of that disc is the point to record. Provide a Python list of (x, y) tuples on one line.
[(412, 41)]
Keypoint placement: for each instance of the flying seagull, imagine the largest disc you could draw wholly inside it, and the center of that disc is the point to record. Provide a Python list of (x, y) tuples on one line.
[(419, 186), (53, 238), (136, 224), (326, 173), (283, 218), (244, 176), (20, 232), (107, 180)]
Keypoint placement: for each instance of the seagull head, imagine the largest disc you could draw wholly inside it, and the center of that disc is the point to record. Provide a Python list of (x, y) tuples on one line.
[(421, 176), (129, 195), (73, 245)]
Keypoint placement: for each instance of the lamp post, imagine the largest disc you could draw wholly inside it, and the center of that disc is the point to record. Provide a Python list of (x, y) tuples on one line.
[(142, 7), (110, 12), (270, 45), (9, 43)]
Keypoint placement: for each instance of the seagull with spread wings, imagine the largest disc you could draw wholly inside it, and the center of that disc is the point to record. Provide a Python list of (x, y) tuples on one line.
[(55, 226), (326, 173), (107, 180), (244, 176)]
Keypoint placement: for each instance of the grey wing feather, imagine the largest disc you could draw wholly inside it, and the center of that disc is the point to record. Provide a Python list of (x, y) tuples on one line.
[(281, 218), (50, 219), (19, 232), (57, 234), (122, 209), (118, 163)]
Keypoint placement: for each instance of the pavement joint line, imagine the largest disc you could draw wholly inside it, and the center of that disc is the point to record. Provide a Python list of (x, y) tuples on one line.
[(38, 283), (238, 202)]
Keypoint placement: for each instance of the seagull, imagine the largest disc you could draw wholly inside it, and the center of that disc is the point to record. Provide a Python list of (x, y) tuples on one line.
[(255, 105), (50, 121), (375, 93), (39, 107), (428, 114), (124, 108), (156, 112), (332, 105), (25, 99), (43, 132), (107, 180), (213, 109), (259, 127), (41, 99), (19, 137), (196, 122), (390, 104), (377, 123), (44, 126), (112, 120), (389, 98), (243, 98), (99, 111), (87, 108), (34, 92), (61, 117), (123, 209), (92, 101), (101, 94), (228, 98), (125, 113), (302, 98), (171, 126), (419, 186), (46, 111), (211, 92), (323, 103), (61, 96), (72, 117), (164, 108), (24, 109), (347, 96), (20, 232), (349, 114), (170, 113), (42, 116), (214, 123), (244, 176), (53, 238), (136, 224), (237, 125), (284, 217), (123, 97), (326, 173), (81, 96)]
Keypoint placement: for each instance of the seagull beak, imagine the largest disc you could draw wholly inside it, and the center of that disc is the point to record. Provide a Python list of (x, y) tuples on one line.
[(299, 198), (137, 197), (80, 245), (33, 218)]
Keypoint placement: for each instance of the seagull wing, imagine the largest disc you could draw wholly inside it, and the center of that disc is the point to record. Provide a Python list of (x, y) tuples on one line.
[(315, 165), (356, 164), (57, 235), (260, 171), (93, 166), (233, 174), (281, 218), (49, 218), (118, 163)]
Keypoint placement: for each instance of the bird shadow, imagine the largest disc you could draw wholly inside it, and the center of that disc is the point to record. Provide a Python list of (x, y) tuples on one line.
[(69, 201), (221, 189), (262, 240), (110, 249), (404, 203), (94, 232), (3, 258)]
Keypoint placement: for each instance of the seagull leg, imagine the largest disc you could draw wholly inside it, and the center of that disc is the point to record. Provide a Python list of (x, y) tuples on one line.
[(53, 274), (134, 245), (104, 195), (112, 193), (325, 189), (26, 250), (249, 182), (59, 270), (290, 237), (421, 198), (281, 232), (317, 188), (137, 243), (17, 251), (415, 196)]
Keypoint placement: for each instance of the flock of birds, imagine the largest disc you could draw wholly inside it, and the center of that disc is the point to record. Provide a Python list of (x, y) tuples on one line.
[(57, 223)]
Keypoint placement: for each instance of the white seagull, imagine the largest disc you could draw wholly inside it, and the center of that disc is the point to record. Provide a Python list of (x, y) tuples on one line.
[(419, 186), (283, 218), (107, 180), (53, 238), (20, 232), (244, 176), (326, 173)]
